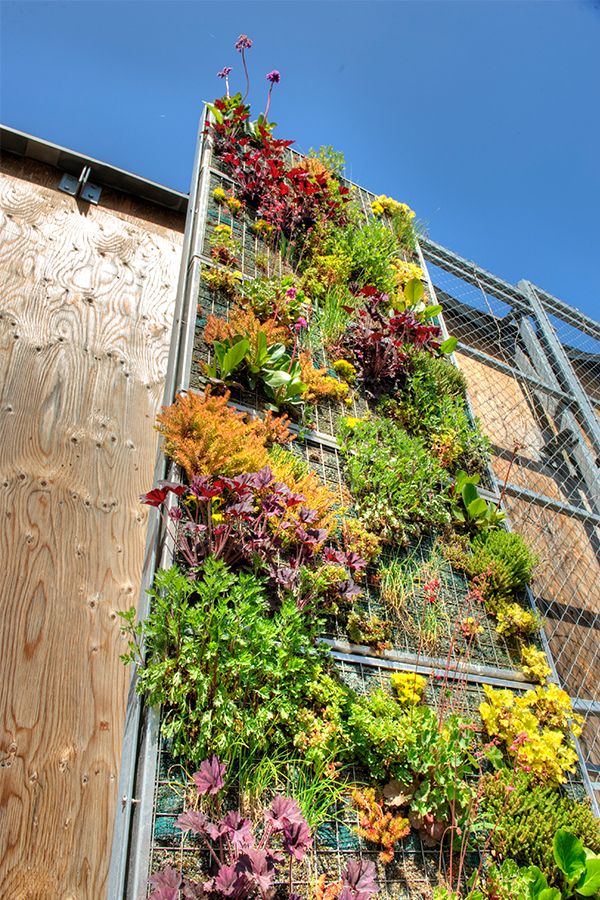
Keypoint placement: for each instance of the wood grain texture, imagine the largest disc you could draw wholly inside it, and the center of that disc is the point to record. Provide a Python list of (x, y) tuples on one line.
[(86, 306)]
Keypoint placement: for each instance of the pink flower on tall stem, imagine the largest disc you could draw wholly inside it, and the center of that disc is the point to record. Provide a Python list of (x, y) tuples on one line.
[(224, 73), (273, 78), (300, 324), (242, 44)]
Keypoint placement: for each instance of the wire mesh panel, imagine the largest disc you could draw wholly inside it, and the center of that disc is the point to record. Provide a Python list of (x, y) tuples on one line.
[(413, 873), (544, 456)]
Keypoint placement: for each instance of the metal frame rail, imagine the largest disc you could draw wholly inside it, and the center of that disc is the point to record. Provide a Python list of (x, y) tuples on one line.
[(131, 837)]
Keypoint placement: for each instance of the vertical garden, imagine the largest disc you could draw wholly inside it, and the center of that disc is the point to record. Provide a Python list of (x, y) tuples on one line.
[(354, 698)]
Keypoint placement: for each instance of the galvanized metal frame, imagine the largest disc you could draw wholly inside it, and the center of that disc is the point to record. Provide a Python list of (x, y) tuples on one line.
[(473, 274), (131, 841)]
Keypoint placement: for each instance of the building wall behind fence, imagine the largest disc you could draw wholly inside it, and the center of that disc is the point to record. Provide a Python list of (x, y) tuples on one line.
[(539, 446), (86, 308)]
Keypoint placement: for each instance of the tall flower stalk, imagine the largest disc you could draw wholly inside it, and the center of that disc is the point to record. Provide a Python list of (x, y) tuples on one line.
[(224, 73), (273, 78), (242, 44)]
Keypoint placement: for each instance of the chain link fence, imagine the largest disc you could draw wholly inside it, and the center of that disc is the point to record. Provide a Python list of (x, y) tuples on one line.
[(533, 369)]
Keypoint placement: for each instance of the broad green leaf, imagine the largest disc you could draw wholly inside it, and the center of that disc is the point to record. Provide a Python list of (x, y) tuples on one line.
[(469, 493), (276, 378), (549, 894), (295, 388), (589, 883), (234, 356), (220, 350), (413, 291), (477, 508), (569, 854), (537, 883), (275, 353), (449, 345), (430, 311), (218, 115)]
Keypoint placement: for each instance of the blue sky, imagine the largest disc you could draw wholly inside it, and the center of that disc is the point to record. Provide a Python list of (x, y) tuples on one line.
[(484, 116)]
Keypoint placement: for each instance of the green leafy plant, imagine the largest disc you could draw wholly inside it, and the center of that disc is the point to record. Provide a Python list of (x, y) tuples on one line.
[(225, 671), (277, 298), (526, 815), (469, 509), (432, 406), (370, 250), (426, 765), (329, 319), (227, 359), (506, 560), (407, 489), (369, 630), (269, 368), (283, 385), (579, 866)]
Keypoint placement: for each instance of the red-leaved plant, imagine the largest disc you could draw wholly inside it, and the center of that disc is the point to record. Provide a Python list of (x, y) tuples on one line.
[(380, 341), (251, 521), (290, 198)]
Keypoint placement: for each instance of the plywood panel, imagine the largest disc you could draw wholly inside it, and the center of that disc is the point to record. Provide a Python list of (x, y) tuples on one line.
[(85, 319)]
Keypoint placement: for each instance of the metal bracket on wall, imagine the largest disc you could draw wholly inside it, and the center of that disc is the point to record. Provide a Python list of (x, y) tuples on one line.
[(81, 187)]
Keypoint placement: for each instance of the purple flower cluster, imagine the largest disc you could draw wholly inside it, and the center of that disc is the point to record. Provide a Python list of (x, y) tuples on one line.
[(274, 77), (243, 43)]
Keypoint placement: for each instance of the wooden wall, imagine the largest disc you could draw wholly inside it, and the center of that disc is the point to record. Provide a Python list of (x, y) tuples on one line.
[(86, 305), (567, 579)]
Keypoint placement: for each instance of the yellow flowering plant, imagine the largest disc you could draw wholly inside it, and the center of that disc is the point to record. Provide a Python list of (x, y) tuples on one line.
[(390, 207), (401, 216), (406, 271), (514, 620), (534, 729), (409, 687), (261, 226), (534, 664), (223, 280), (234, 205), (345, 370)]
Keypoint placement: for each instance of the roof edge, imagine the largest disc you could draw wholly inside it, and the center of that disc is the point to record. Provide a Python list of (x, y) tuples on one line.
[(22, 144)]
